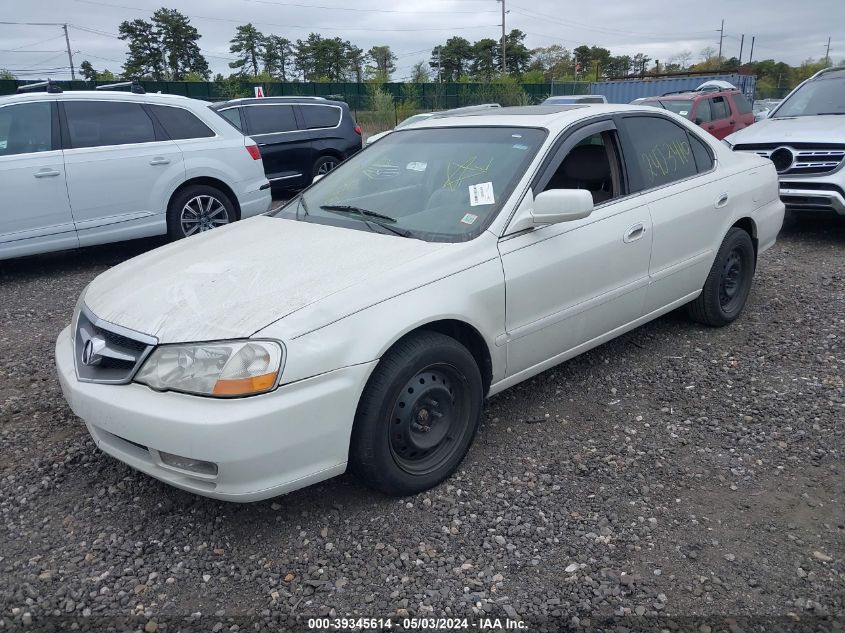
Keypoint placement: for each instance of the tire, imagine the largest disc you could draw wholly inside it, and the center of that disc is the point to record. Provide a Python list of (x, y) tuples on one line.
[(417, 416), (324, 165), (726, 290), (196, 209)]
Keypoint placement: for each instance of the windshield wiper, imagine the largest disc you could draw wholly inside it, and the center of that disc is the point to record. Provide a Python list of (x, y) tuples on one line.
[(367, 216), (346, 208), (826, 113)]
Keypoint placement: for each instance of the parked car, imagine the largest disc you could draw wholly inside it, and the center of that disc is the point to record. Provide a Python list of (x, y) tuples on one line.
[(362, 325), (299, 137), (422, 116), (90, 167), (720, 112), (575, 100), (804, 137), (763, 107)]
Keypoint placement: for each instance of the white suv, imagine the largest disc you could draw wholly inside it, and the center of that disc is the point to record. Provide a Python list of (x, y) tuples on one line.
[(804, 137), (89, 167)]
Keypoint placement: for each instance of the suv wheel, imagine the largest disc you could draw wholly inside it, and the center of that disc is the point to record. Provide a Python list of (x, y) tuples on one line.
[(197, 209), (324, 165)]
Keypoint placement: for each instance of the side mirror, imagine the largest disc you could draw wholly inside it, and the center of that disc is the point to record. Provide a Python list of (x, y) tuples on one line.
[(699, 120), (561, 205)]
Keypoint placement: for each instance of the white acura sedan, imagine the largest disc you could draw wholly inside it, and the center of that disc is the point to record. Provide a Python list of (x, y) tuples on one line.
[(362, 325)]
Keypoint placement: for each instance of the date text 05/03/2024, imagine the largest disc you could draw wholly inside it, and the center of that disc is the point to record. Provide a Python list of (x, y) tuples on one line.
[(416, 624)]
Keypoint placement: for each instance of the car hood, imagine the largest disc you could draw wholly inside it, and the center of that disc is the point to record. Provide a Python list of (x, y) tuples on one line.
[(236, 280), (804, 129)]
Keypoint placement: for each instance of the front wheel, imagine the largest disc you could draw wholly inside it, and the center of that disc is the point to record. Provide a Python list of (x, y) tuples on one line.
[(417, 416), (197, 209), (727, 287)]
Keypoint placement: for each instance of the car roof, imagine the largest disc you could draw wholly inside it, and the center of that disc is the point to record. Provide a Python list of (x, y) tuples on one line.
[(693, 94), (551, 117), (100, 95), (271, 100)]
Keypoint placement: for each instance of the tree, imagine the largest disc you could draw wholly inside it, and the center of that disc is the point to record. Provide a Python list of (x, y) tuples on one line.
[(419, 73), (383, 62), (452, 59), (163, 48), (145, 58), (555, 62), (6, 74), (356, 58), (278, 57), (249, 44), (517, 53), (582, 58), (483, 65), (178, 42), (323, 59), (682, 59), (87, 71)]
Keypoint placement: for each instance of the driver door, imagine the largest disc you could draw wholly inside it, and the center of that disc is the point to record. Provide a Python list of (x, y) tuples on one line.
[(570, 284)]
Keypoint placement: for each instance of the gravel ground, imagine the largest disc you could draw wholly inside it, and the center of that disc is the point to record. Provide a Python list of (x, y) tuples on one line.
[(670, 478)]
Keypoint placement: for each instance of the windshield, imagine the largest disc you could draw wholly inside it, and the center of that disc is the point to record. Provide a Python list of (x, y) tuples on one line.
[(433, 184), (678, 106), (820, 96)]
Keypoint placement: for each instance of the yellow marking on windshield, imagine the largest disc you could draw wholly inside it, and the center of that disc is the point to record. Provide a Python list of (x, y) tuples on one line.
[(456, 173)]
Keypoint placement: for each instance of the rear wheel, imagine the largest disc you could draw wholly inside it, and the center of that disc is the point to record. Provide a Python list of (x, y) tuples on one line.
[(197, 209), (324, 165), (727, 287), (417, 416)]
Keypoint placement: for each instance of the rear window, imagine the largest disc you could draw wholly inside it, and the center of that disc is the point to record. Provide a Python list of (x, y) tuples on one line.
[(742, 104), (233, 116), (270, 119), (317, 116), (179, 123)]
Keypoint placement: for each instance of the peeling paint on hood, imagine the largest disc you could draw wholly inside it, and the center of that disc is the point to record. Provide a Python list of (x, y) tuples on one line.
[(235, 280)]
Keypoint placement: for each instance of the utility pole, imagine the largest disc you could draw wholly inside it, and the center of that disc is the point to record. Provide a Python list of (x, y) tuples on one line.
[(69, 54), (826, 55), (504, 59), (721, 37), (741, 44), (751, 56)]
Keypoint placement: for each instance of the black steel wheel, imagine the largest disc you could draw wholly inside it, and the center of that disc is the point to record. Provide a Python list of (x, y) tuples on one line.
[(727, 286), (417, 416)]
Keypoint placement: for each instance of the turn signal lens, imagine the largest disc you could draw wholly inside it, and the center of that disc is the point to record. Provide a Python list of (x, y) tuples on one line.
[(241, 386), (254, 152)]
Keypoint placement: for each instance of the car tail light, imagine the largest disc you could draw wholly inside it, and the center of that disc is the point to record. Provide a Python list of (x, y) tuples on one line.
[(358, 130), (254, 152)]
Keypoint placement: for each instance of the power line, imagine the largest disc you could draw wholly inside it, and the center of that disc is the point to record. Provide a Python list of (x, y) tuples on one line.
[(317, 6), (293, 26)]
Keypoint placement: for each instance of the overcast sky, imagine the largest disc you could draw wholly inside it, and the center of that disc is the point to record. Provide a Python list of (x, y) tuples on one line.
[(785, 29)]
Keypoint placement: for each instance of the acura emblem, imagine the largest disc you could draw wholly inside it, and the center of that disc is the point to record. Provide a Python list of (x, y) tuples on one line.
[(91, 351)]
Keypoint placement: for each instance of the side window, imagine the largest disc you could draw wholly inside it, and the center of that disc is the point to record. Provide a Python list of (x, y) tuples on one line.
[(233, 116), (702, 154), (657, 151), (743, 106), (720, 107), (702, 111), (270, 119), (180, 123), (317, 116), (26, 128), (590, 165), (101, 123)]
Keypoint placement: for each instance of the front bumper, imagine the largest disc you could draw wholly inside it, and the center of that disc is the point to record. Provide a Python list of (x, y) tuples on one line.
[(815, 195), (263, 446)]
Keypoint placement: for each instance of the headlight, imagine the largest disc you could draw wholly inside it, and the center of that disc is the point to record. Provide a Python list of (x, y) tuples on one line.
[(222, 369)]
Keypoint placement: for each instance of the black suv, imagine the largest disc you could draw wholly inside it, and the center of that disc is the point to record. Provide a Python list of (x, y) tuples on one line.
[(299, 137)]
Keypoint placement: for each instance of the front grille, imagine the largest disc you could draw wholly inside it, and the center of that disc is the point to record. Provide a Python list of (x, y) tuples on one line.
[(806, 158), (108, 353)]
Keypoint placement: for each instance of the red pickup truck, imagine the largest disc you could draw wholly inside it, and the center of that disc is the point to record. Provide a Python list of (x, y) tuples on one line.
[(720, 113)]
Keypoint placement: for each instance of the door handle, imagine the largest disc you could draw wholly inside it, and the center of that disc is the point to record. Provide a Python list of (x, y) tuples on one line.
[(721, 201), (158, 160), (634, 233), (46, 173)]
